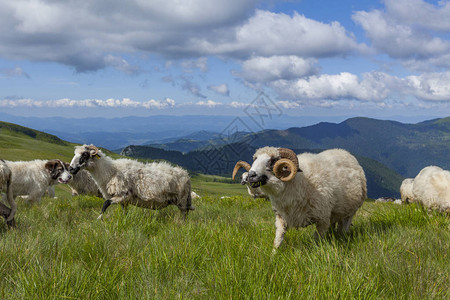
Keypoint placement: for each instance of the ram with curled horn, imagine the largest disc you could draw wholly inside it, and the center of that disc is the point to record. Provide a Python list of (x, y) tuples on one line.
[(325, 189)]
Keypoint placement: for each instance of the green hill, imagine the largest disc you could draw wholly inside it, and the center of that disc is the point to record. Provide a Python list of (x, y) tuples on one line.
[(22, 143)]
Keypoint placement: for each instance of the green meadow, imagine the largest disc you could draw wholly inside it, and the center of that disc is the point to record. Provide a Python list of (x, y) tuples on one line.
[(59, 250)]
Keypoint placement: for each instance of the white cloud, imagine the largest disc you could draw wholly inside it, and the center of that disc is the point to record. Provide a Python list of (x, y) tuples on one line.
[(370, 87), (341, 86), (209, 103), (414, 32), (430, 86), (265, 69), (236, 104), (89, 103), (221, 89), (421, 13), (397, 39), (44, 30), (288, 104)]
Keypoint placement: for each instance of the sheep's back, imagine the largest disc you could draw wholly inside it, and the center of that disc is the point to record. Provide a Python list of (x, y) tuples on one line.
[(27, 174), (156, 181), (432, 187), (336, 177)]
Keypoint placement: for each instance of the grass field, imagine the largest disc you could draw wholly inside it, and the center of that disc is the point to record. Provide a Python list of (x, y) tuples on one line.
[(59, 250)]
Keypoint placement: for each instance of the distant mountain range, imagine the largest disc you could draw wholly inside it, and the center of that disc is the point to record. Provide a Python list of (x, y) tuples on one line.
[(405, 148), (115, 133)]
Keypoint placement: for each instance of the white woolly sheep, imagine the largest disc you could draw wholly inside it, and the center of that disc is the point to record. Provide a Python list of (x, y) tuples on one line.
[(5, 186), (432, 188), (125, 181), (406, 190), (323, 189)]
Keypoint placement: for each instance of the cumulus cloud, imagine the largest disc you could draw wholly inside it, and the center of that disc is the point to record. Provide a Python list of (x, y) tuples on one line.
[(341, 86), (221, 89), (44, 30), (430, 86), (265, 69), (369, 87), (418, 12), (89, 103), (413, 31)]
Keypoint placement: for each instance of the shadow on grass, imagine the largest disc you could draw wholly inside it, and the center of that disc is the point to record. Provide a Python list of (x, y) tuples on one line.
[(298, 238)]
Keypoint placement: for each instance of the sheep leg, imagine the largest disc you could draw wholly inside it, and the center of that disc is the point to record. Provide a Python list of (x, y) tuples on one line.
[(12, 203), (185, 209), (344, 225), (6, 212), (281, 227), (321, 227), (106, 204)]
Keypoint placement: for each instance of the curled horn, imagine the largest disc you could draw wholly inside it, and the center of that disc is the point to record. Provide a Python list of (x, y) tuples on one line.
[(240, 164), (93, 150), (287, 167)]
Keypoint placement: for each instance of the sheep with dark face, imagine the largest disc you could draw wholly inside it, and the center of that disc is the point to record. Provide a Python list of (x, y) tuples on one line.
[(125, 181), (324, 189)]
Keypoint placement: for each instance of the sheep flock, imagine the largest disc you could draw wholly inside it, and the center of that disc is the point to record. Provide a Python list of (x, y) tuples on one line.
[(324, 189)]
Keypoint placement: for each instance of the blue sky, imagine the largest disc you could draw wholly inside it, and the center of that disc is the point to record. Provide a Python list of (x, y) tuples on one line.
[(324, 58)]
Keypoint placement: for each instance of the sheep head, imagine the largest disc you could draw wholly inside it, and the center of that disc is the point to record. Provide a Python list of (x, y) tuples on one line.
[(83, 157), (270, 162)]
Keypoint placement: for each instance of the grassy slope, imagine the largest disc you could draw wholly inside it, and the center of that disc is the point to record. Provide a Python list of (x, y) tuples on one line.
[(59, 249)]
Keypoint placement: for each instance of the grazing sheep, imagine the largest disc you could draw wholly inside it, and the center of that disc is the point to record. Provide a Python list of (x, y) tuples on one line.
[(33, 178), (125, 181), (194, 195), (5, 186), (406, 190), (323, 189), (432, 188), (254, 192)]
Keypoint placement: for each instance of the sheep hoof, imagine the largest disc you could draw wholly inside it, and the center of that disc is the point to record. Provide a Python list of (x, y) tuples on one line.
[(100, 217)]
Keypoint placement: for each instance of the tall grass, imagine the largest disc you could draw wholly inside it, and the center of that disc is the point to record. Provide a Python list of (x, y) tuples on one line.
[(60, 251)]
